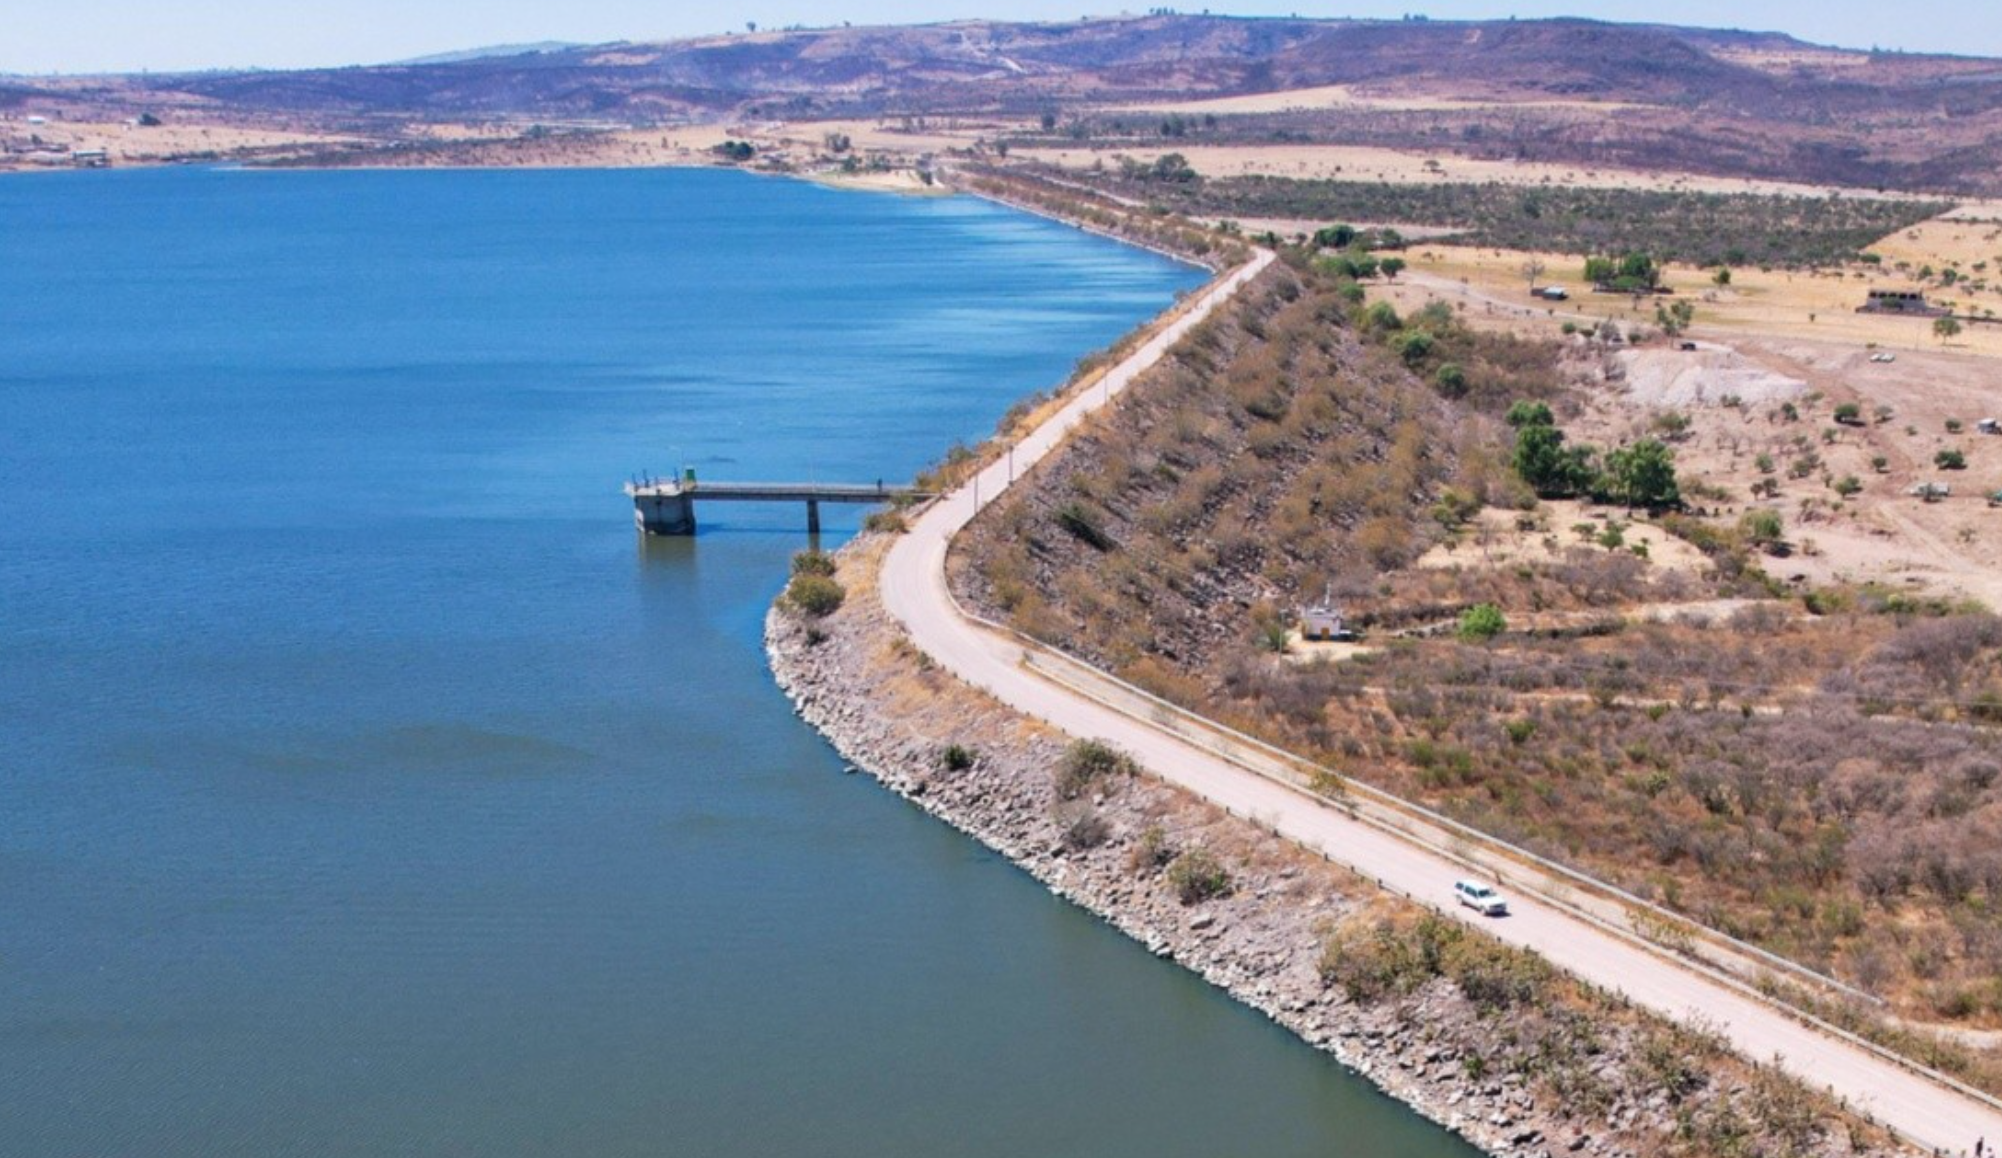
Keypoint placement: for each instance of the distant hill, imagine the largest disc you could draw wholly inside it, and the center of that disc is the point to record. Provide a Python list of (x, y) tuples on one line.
[(981, 65), (466, 54), (1750, 103)]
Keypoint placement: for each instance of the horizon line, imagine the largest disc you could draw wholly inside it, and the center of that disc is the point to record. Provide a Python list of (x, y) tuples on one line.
[(499, 51)]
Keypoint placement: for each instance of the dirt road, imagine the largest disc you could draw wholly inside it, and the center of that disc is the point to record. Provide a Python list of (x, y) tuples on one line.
[(915, 591)]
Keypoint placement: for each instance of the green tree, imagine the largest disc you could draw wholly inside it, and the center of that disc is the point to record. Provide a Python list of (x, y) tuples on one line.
[(1627, 273), (1675, 317), (1451, 380), (1414, 346), (1762, 529), (1174, 168), (1638, 270), (1643, 475), (1391, 267), (1335, 237), (1950, 460), (1481, 622), (1552, 469), (1382, 316), (1946, 329), (1528, 413)]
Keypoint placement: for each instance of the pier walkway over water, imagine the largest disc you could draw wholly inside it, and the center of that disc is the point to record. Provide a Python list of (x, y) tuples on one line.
[(667, 506)]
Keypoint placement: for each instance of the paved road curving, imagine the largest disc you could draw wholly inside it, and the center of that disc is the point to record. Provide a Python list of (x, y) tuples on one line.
[(914, 590)]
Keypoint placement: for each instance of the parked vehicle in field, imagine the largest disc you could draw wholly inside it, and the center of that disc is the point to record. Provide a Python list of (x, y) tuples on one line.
[(1884, 356), (1481, 898)]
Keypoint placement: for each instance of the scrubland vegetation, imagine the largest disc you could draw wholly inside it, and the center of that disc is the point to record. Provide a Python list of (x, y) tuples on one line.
[(1699, 228), (1818, 775), (1825, 788), (1227, 472), (1562, 1034), (1446, 1015), (813, 591), (1093, 211)]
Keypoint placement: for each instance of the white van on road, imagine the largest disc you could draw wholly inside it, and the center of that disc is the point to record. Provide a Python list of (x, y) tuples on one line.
[(1480, 898)]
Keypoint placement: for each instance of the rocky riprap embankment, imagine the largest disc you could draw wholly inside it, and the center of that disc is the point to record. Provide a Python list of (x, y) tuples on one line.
[(855, 677)]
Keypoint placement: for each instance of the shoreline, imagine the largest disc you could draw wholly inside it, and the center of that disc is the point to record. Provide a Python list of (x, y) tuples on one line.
[(1269, 958), (1476, 1071), (1257, 946), (1034, 210)]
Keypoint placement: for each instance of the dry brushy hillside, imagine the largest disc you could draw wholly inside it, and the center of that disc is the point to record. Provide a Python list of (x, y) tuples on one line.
[(1227, 485), (1817, 775)]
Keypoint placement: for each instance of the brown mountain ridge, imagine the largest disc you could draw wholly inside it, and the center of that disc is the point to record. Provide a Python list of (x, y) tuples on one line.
[(1864, 118)]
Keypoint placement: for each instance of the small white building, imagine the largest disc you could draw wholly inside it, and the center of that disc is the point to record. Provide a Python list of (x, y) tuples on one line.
[(1324, 622)]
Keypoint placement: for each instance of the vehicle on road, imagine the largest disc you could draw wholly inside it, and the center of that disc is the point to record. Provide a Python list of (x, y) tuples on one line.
[(1883, 357), (1480, 898)]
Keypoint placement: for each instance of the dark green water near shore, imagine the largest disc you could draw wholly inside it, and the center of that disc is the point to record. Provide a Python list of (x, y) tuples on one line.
[(369, 789)]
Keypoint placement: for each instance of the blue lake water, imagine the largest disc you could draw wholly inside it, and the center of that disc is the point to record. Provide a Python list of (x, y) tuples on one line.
[(368, 787)]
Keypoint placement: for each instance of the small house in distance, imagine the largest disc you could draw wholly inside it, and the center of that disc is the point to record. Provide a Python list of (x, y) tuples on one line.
[(1894, 300), (1324, 623)]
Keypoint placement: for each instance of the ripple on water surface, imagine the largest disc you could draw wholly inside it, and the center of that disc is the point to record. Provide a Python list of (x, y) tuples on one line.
[(371, 790)]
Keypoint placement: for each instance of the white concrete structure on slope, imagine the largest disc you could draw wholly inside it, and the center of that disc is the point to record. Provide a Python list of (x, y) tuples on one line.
[(915, 591)]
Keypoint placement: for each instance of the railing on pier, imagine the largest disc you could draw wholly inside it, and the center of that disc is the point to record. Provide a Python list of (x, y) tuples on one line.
[(667, 506)]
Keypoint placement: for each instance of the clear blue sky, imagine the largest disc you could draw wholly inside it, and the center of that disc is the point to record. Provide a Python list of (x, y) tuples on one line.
[(130, 35)]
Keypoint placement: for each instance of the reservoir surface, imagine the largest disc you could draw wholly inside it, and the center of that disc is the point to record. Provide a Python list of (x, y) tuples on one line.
[(367, 786)]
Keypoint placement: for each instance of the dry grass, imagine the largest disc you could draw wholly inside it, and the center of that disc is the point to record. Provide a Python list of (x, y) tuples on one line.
[(1817, 305), (1342, 96), (128, 144), (1368, 163), (1496, 1014), (1165, 541)]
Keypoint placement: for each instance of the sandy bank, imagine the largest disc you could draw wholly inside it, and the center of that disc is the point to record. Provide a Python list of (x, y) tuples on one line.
[(905, 181)]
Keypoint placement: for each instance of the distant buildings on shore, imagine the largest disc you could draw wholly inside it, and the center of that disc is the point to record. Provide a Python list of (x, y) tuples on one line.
[(1900, 300)]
